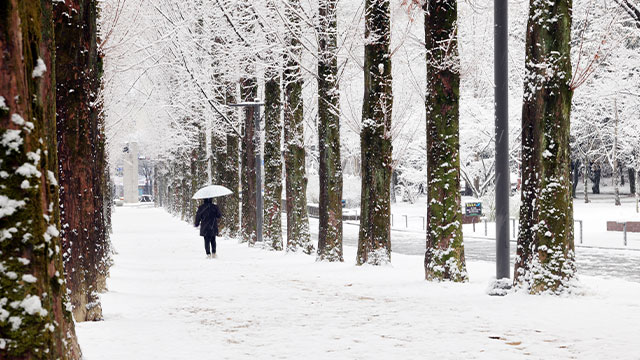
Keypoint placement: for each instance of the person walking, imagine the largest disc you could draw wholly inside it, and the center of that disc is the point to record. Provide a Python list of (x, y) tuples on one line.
[(207, 218)]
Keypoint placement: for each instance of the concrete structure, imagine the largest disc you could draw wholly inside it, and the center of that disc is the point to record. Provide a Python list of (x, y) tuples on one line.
[(130, 173)]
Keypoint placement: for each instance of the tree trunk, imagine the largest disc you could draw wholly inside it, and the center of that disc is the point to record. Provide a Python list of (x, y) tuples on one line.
[(330, 232), (585, 168), (597, 172), (298, 237), (632, 180), (272, 162), (444, 257), (575, 166), (374, 242), (231, 178), (545, 251), (616, 175), (30, 246), (249, 91), (81, 151)]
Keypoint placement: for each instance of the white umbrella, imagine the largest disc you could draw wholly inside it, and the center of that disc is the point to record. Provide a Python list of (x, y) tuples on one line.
[(212, 191)]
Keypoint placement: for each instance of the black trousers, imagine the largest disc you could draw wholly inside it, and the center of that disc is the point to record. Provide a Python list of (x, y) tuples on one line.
[(210, 239)]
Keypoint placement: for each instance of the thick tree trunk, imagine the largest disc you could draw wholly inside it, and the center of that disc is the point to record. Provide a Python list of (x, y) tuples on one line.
[(298, 238), (330, 232), (444, 257), (545, 252), (632, 180), (38, 323), (81, 151), (272, 162), (249, 90), (374, 242)]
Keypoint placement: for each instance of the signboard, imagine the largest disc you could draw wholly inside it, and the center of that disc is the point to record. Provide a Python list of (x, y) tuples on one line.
[(473, 209)]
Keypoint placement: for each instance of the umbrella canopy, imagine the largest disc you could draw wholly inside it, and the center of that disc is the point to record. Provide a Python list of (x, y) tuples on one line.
[(212, 191)]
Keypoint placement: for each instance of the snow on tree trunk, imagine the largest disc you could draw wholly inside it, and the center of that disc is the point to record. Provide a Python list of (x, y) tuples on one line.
[(81, 154), (298, 237), (272, 162), (228, 168), (545, 250), (35, 316), (444, 257), (249, 90), (330, 232), (374, 242)]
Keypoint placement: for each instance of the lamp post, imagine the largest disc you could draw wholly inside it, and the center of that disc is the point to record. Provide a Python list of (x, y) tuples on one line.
[(501, 77), (258, 167)]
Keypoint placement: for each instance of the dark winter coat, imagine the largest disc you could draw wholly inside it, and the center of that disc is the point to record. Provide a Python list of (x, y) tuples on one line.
[(207, 218)]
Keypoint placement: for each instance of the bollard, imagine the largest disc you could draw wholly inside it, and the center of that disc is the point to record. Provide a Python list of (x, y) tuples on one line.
[(391, 220), (473, 221), (424, 225), (513, 227), (580, 222), (406, 221), (625, 233), (485, 227)]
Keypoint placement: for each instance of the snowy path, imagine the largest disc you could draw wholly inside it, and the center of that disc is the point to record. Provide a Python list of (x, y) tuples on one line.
[(618, 263), (167, 301)]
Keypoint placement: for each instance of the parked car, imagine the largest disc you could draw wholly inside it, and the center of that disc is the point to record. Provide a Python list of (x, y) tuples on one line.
[(145, 199)]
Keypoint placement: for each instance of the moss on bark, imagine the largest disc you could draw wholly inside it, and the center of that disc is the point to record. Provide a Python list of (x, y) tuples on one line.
[(273, 162), (330, 231), (545, 252), (444, 257), (374, 242), (34, 320), (298, 237)]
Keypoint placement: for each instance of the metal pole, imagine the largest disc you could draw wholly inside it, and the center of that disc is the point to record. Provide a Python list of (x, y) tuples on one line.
[(625, 234), (406, 221), (501, 77), (258, 142)]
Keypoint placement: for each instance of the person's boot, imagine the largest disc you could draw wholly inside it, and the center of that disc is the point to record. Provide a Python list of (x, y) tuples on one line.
[(214, 256), (208, 256)]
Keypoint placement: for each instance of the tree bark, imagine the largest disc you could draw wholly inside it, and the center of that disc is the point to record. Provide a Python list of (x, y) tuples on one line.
[(81, 150), (444, 257), (545, 251), (585, 168), (249, 91), (231, 177), (575, 167), (273, 162), (30, 245), (632, 180), (298, 238), (595, 179), (330, 231), (374, 241)]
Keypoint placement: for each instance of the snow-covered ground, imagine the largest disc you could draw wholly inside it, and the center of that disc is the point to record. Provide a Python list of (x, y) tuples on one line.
[(167, 301)]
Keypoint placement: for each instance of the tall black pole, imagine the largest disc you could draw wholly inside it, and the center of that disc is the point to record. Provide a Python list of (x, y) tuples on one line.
[(501, 77)]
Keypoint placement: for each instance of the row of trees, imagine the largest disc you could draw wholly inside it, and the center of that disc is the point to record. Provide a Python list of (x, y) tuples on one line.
[(54, 207), (281, 26), (282, 50)]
